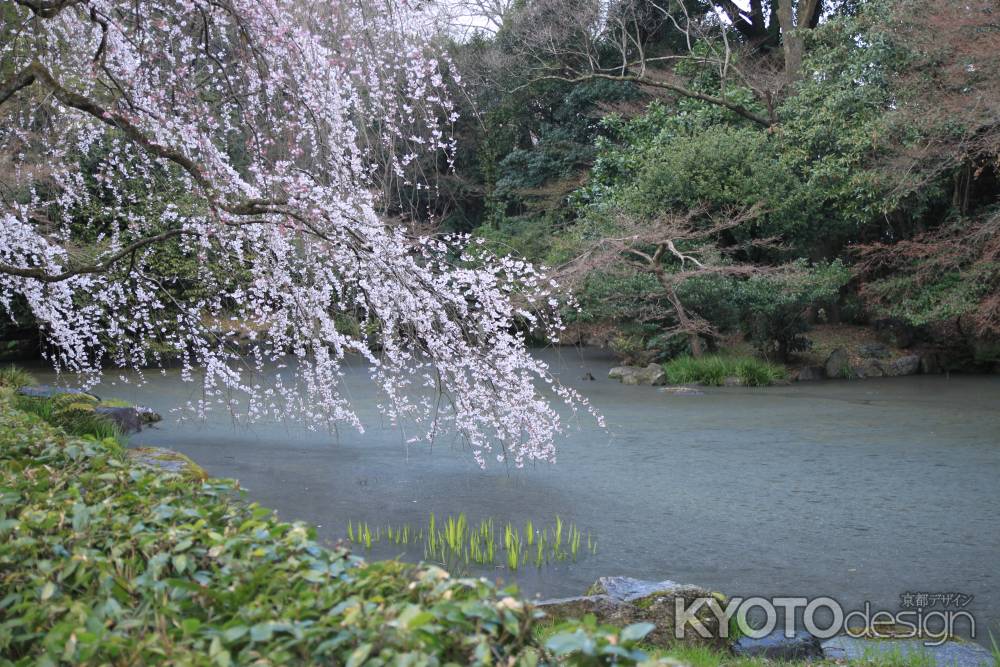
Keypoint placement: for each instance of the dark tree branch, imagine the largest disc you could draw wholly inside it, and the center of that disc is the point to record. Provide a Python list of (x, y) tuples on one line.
[(735, 107), (47, 9), (16, 82)]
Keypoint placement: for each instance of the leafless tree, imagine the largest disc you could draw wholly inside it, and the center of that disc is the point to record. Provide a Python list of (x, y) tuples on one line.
[(672, 248), (947, 97), (463, 19), (621, 40)]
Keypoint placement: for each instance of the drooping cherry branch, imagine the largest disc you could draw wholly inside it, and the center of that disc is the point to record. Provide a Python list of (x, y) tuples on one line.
[(199, 162)]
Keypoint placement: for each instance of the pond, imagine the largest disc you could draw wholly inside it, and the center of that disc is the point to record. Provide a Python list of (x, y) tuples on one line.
[(858, 490)]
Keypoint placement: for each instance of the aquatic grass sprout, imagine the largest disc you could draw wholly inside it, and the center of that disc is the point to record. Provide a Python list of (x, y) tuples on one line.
[(458, 543)]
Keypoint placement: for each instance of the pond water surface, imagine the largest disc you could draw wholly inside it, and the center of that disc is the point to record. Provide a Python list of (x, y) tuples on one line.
[(858, 490)]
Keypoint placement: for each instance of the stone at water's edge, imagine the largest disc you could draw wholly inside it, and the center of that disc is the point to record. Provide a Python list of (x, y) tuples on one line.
[(838, 364), (653, 374), (682, 391), (48, 391), (167, 460), (128, 419), (810, 373), (874, 351), (948, 654), (908, 365), (869, 368), (622, 601), (627, 589), (776, 646)]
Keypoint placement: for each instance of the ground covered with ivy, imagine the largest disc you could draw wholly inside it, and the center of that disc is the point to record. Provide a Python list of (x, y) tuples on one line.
[(105, 561)]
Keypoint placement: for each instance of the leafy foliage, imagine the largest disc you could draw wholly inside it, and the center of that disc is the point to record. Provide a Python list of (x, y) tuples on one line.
[(106, 561), (773, 307), (885, 142)]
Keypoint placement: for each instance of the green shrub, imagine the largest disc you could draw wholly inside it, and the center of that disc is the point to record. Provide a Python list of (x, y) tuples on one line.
[(108, 562), (774, 306), (713, 370)]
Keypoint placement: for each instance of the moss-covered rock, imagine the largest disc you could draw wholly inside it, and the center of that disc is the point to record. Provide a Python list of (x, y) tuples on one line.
[(622, 601), (167, 460)]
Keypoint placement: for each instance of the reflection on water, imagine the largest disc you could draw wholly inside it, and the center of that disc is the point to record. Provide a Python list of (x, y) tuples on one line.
[(859, 490)]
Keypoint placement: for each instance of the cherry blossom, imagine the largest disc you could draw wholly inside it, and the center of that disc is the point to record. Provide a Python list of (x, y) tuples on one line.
[(254, 136)]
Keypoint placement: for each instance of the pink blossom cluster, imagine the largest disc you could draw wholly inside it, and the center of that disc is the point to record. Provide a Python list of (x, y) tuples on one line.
[(252, 134)]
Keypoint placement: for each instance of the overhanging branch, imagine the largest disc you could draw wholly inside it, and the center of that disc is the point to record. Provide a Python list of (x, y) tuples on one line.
[(735, 107)]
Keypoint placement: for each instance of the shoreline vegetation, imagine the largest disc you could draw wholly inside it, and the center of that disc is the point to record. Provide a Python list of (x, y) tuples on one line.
[(110, 558), (844, 352), (717, 369), (106, 560)]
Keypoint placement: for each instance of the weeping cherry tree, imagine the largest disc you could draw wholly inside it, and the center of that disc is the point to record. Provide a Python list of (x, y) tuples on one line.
[(249, 141)]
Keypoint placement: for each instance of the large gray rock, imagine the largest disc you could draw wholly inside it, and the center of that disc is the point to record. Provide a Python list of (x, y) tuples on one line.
[(838, 364), (908, 365), (621, 601), (869, 368), (627, 589), (167, 460), (930, 364), (652, 374), (128, 420), (874, 351), (948, 654), (148, 415), (776, 646), (810, 373)]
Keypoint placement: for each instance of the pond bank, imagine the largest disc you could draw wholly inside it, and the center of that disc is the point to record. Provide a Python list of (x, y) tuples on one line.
[(858, 490)]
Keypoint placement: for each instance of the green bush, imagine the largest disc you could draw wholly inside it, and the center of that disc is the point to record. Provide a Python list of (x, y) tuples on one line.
[(108, 562), (713, 370), (773, 306)]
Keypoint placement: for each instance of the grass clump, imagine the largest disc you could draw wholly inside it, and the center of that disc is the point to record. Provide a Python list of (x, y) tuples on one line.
[(15, 378), (73, 413), (714, 369), (108, 562), (457, 544)]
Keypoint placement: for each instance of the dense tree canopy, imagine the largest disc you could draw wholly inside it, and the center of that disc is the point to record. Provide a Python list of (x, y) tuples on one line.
[(862, 134)]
